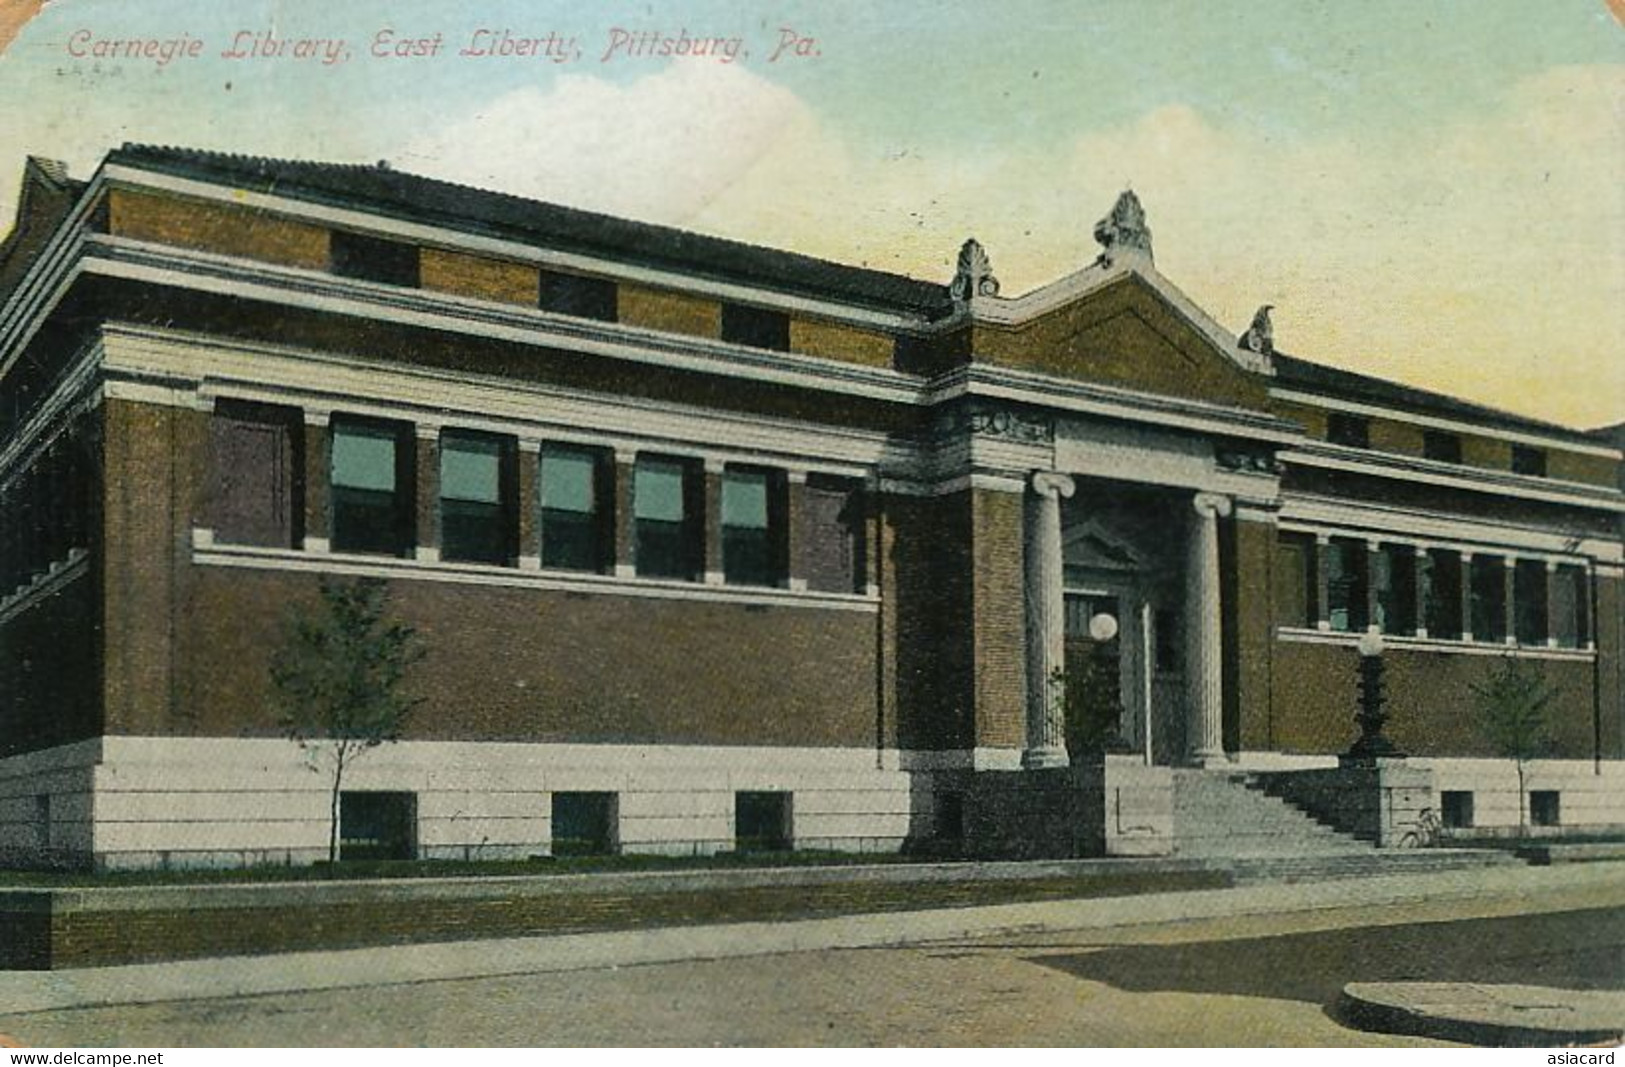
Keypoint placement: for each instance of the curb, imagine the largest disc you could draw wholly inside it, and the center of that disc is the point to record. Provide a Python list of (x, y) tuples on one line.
[(25, 992), (1501, 1016)]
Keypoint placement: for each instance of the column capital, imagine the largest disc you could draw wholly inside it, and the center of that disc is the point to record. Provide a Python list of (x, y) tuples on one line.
[(1054, 484), (1211, 505)]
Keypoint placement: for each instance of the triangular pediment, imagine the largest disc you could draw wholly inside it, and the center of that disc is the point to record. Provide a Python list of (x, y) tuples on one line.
[(1127, 328), (1089, 546)]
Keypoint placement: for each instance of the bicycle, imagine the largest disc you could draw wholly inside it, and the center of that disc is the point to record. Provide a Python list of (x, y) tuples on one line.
[(1426, 833)]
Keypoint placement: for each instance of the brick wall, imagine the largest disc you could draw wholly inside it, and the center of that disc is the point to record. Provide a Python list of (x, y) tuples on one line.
[(528, 665), (217, 228), (1430, 701), (478, 276), (832, 340), (1250, 639), (998, 592), (1124, 335), (662, 309)]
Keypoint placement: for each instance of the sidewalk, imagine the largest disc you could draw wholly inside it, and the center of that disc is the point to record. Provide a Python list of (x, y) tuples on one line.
[(22, 992)]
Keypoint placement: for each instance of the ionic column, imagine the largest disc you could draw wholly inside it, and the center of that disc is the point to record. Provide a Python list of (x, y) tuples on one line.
[(1204, 702), (1046, 622)]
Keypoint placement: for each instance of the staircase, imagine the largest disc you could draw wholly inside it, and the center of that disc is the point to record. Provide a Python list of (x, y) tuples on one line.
[(1219, 815), (1226, 819)]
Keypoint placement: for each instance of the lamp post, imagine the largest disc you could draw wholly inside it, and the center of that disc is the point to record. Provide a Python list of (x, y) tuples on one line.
[(1371, 745)]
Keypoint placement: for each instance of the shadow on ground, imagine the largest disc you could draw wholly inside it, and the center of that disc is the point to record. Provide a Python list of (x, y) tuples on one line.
[(1568, 950)]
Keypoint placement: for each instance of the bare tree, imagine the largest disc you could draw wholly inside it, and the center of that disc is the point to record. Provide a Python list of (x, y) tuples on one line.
[(337, 679), (1512, 705)]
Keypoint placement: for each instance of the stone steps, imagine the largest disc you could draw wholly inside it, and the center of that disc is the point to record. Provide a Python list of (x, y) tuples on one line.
[(1218, 815)]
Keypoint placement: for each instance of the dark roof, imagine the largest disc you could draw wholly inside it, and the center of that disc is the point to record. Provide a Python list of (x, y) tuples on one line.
[(1319, 378), (379, 189)]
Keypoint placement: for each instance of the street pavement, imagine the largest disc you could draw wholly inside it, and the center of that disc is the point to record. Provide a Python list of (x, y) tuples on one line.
[(1253, 965)]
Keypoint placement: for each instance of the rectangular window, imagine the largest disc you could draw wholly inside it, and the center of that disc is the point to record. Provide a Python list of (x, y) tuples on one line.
[(575, 509), (1529, 601), (753, 512), (757, 327), (374, 259), (1570, 606), (1394, 578), (762, 822), (667, 513), (1489, 599), (1295, 581), (1456, 809), (833, 521), (585, 824), (1350, 430), (1545, 807), (1530, 461), (378, 826), (372, 487), (1443, 447), (477, 494), (257, 475), (1441, 594), (575, 294), (1346, 585)]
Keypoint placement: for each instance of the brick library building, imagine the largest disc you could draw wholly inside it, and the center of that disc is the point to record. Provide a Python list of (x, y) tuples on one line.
[(715, 547)]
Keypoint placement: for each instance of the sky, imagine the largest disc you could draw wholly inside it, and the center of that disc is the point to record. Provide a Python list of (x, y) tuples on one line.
[(1432, 191)]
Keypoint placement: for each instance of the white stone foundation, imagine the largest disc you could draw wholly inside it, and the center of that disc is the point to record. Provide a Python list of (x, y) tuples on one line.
[(1592, 796), (196, 802)]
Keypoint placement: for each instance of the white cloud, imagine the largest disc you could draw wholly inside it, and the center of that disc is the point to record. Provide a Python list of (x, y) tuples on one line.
[(662, 147), (1487, 259)]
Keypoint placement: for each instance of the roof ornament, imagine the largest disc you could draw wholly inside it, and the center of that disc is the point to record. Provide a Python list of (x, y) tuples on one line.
[(974, 276), (1260, 336), (1124, 232)]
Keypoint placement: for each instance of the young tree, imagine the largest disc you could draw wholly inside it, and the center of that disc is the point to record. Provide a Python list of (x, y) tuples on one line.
[(337, 679), (1512, 705)]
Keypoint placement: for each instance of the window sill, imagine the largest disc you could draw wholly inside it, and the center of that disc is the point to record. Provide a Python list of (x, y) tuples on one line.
[(206, 551), (1400, 642)]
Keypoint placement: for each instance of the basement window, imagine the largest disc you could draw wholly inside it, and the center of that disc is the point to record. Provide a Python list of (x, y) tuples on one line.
[(585, 824), (1456, 809), (1545, 807), (762, 822), (378, 826)]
